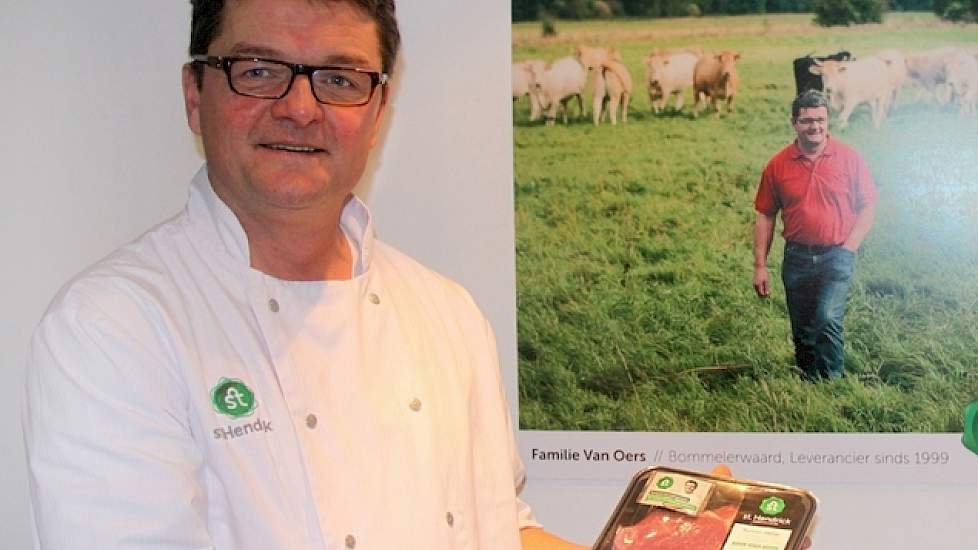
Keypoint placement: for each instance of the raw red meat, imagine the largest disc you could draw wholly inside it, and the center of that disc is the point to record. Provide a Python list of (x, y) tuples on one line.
[(667, 530)]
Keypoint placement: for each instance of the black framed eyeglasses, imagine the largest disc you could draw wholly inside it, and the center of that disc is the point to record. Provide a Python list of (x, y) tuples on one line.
[(272, 79)]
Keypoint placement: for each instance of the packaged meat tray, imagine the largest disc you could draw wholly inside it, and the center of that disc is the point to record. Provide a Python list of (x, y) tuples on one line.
[(671, 509)]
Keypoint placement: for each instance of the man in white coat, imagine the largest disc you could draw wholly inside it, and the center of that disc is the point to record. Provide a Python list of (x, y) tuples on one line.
[(259, 372)]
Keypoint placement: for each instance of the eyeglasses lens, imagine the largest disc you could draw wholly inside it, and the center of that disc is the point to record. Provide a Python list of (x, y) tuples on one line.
[(267, 79)]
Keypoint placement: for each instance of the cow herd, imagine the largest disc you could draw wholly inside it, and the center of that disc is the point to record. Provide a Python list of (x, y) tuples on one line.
[(944, 75), (552, 86)]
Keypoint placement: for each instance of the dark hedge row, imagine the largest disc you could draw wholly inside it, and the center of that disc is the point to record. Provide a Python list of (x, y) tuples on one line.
[(836, 12)]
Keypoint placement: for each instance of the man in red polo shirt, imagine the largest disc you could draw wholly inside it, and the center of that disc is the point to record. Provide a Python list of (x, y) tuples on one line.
[(826, 197)]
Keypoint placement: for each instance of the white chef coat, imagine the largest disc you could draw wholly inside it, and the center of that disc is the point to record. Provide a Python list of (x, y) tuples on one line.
[(377, 416)]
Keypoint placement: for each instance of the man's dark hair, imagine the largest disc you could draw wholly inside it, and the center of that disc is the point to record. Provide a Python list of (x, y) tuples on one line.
[(205, 25), (809, 99)]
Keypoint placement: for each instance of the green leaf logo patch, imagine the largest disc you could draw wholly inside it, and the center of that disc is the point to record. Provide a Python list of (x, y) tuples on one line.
[(772, 506), (232, 397), (664, 483)]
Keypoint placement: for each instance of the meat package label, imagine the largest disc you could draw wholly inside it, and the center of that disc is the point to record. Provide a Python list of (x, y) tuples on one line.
[(750, 537), (678, 492), (765, 521), (772, 509)]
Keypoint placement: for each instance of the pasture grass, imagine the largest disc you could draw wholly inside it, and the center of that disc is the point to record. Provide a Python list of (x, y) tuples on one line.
[(634, 259)]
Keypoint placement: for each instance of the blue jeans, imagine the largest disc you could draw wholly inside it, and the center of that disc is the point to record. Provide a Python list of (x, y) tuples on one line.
[(816, 283)]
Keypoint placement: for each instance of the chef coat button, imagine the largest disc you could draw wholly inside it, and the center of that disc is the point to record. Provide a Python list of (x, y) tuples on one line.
[(449, 519), (415, 404), (351, 541), (311, 421), (374, 299), (273, 305)]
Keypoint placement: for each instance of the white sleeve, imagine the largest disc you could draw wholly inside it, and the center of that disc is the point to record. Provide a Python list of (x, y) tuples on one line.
[(525, 517), (112, 461)]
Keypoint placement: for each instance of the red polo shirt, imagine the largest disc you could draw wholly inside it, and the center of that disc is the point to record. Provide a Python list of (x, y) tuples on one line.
[(819, 200)]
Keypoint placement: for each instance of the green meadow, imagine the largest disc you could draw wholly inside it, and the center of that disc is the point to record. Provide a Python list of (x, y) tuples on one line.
[(634, 262)]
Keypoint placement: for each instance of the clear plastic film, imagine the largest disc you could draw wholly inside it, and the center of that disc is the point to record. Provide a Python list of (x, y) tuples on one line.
[(669, 509)]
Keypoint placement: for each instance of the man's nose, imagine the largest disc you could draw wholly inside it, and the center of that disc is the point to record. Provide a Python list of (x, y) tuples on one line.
[(300, 104)]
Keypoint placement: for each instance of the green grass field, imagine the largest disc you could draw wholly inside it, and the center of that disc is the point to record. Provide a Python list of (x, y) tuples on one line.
[(636, 310)]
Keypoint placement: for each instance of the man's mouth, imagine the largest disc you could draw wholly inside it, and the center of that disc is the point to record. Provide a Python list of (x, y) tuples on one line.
[(292, 148)]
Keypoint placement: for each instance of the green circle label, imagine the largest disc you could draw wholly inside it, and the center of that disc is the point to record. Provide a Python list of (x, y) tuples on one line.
[(664, 483), (232, 397), (772, 506)]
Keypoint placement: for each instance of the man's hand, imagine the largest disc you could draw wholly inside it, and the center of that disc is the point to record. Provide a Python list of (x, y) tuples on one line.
[(763, 235), (762, 282), (721, 470)]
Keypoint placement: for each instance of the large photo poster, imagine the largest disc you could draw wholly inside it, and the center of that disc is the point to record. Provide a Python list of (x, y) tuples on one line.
[(635, 223)]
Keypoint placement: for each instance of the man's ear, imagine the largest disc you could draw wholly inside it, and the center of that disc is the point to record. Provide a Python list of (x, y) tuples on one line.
[(191, 97)]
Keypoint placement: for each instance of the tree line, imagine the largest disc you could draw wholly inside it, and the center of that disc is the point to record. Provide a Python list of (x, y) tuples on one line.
[(863, 10)]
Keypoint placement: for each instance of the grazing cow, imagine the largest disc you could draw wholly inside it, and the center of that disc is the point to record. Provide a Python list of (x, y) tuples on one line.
[(593, 59), (669, 74), (715, 78), (852, 83), (522, 77), (609, 86), (557, 84), (896, 71), (962, 77), (927, 70)]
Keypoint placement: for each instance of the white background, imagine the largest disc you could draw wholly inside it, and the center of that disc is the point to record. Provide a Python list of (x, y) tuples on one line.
[(95, 150)]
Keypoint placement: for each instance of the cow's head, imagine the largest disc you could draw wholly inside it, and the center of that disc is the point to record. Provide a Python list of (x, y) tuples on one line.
[(728, 71), (535, 71), (656, 64), (832, 73)]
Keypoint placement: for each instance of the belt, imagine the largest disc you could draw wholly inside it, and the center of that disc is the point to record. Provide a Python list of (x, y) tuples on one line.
[(809, 248)]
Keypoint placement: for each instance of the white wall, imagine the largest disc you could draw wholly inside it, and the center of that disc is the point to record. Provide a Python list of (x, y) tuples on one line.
[(95, 150)]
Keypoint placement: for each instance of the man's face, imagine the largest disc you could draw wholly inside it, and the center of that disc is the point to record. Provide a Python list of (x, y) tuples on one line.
[(244, 137), (812, 127)]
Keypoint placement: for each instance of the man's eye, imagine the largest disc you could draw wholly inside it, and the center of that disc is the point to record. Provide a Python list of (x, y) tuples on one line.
[(259, 72), (340, 79)]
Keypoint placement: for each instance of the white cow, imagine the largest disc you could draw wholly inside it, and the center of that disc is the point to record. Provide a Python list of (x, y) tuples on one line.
[(896, 70), (611, 85), (927, 70), (852, 83), (556, 84), (593, 57), (522, 86), (669, 74), (962, 77)]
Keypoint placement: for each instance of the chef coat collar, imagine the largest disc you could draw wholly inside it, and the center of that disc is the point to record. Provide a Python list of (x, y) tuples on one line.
[(204, 204)]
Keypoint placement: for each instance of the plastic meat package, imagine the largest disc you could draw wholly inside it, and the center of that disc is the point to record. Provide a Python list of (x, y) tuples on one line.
[(671, 509)]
